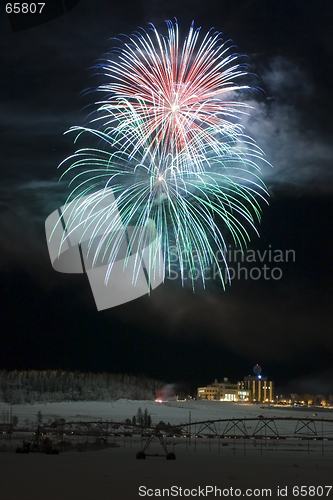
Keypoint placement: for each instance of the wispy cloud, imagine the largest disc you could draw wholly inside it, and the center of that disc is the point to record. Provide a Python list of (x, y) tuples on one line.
[(302, 158)]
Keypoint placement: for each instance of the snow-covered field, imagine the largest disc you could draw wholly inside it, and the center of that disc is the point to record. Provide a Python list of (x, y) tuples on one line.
[(174, 412), (114, 473)]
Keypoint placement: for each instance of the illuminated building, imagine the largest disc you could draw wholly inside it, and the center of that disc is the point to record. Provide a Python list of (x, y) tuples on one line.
[(259, 388), (219, 391), (252, 389)]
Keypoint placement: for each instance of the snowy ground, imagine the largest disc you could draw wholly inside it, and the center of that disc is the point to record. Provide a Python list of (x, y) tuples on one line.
[(173, 412), (115, 473)]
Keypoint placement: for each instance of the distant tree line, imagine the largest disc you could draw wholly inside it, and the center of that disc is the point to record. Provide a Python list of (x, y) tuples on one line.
[(32, 386)]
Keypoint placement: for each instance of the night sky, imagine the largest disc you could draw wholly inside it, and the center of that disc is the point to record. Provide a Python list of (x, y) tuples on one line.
[(49, 320)]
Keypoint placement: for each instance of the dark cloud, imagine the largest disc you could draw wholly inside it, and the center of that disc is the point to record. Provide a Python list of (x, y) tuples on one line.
[(320, 382), (300, 155), (251, 320)]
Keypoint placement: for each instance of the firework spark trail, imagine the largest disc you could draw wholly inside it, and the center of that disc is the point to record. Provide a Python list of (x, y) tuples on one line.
[(173, 95), (174, 156), (182, 207)]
